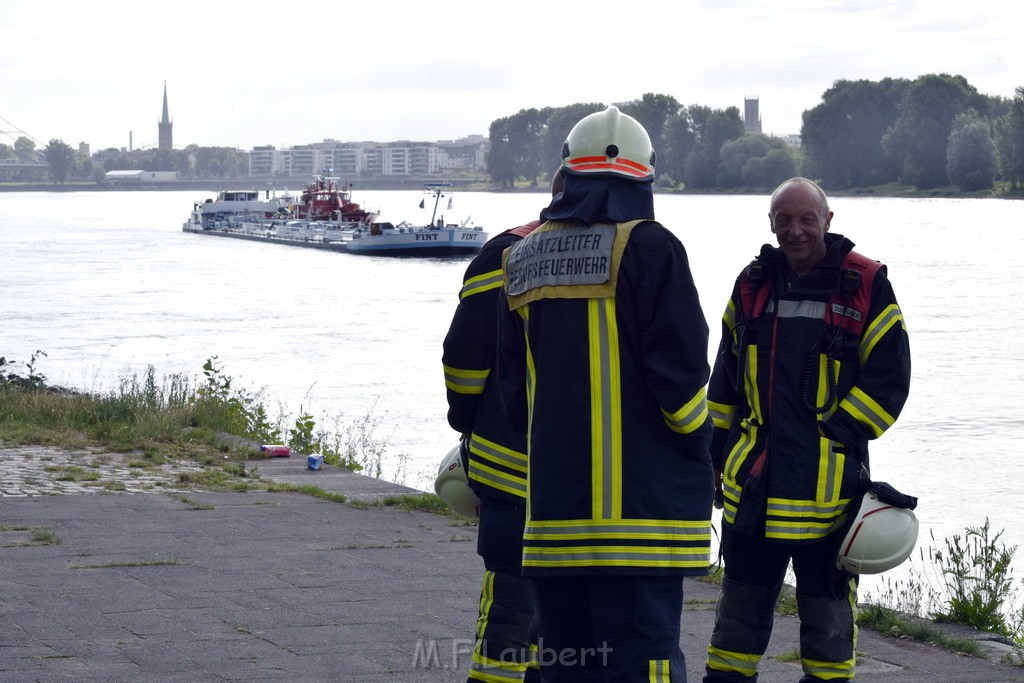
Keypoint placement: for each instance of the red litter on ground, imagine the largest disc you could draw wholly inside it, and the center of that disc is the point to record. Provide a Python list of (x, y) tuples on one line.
[(276, 451)]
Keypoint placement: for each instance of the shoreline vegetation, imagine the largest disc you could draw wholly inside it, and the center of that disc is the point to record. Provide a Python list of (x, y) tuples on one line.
[(893, 190), (966, 580)]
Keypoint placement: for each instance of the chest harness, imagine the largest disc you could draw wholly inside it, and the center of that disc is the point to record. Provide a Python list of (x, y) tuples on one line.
[(845, 315)]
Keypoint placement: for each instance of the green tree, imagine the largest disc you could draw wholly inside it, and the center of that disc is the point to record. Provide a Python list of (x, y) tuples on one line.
[(841, 137), (652, 111), (525, 130), (1010, 141), (24, 149), (971, 154), (712, 128), (61, 157), (743, 161), (6, 152), (678, 141), (560, 121), (920, 136), (772, 169), (499, 157)]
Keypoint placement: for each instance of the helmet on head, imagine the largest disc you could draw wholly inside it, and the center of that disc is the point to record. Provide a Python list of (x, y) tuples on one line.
[(881, 537), (609, 142), (452, 483)]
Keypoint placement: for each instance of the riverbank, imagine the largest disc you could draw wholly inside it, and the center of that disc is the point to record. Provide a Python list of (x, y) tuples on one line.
[(473, 185)]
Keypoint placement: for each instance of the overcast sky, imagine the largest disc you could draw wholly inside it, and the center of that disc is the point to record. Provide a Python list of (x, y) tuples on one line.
[(255, 73)]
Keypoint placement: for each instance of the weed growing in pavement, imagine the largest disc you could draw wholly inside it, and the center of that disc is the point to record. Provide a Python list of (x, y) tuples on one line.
[(969, 582), (977, 580)]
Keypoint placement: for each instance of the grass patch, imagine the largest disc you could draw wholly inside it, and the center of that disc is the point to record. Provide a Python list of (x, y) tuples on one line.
[(308, 490), (896, 625), (422, 502), (40, 535), (209, 420), (192, 504), (136, 563)]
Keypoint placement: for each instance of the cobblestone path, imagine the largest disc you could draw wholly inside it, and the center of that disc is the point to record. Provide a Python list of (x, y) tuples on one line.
[(46, 471)]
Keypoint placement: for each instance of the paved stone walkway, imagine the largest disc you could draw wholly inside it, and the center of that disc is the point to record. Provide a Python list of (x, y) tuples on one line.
[(284, 586), (46, 471)]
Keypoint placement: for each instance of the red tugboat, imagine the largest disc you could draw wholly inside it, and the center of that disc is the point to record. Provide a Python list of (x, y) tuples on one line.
[(323, 200)]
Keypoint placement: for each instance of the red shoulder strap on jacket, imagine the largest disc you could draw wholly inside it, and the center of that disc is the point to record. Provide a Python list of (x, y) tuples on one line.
[(526, 229), (753, 296), (848, 308)]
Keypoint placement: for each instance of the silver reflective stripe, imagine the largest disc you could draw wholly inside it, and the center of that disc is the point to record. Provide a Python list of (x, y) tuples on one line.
[(499, 480), (514, 459), (481, 283), (802, 309), (876, 330), (620, 529), (616, 554), (606, 409), (880, 423), (465, 381)]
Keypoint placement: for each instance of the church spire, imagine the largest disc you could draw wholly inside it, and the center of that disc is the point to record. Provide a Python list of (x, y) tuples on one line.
[(166, 118), (165, 126)]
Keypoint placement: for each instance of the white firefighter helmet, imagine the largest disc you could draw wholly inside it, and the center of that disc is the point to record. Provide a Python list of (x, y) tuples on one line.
[(881, 537), (609, 142), (452, 484)]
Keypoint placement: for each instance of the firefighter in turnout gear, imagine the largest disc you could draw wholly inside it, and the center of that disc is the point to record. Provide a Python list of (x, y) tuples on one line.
[(814, 363), (505, 636), (604, 348)]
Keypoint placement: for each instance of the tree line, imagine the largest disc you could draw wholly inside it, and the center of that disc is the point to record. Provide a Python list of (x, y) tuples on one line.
[(936, 130), (66, 163)]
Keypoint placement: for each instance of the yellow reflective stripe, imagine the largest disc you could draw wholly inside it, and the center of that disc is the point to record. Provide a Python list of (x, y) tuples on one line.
[(789, 507), (497, 453), (867, 411), (605, 410), (531, 382), (497, 479), (739, 662), (739, 453), (877, 329), (750, 379), (829, 671), (481, 283), (729, 316), (657, 671), (830, 472), (616, 556), (495, 671), (722, 414), (639, 529), (691, 416), (465, 381), (484, 668), (796, 531), (486, 600)]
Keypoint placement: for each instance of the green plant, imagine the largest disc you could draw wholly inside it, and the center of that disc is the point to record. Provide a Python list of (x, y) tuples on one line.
[(978, 580), (34, 379)]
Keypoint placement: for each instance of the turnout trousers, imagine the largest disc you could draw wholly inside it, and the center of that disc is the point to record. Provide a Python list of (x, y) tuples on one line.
[(505, 639), (826, 597), (610, 628)]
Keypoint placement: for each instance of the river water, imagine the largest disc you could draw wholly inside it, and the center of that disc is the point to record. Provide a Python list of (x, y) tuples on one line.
[(106, 284)]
